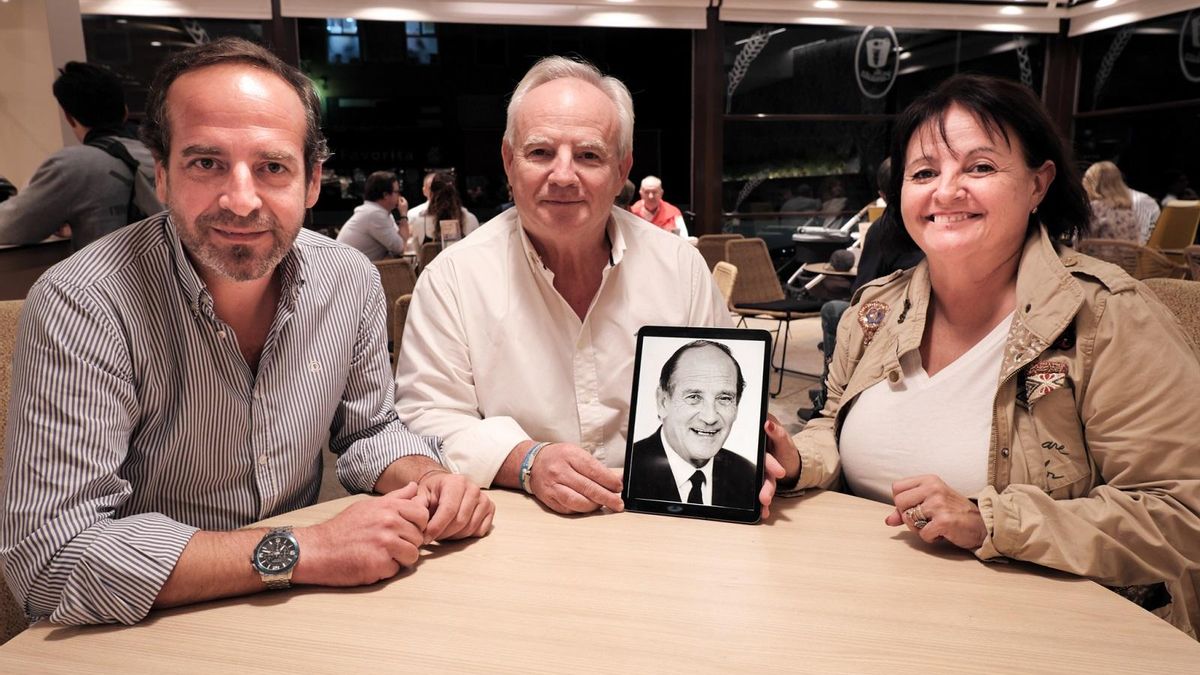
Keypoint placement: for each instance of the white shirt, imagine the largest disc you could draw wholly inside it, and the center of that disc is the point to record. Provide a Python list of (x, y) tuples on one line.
[(492, 355), (1146, 210), (424, 224), (683, 470), (925, 425), (372, 230)]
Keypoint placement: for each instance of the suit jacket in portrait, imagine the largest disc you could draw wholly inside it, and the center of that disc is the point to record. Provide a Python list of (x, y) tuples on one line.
[(650, 477)]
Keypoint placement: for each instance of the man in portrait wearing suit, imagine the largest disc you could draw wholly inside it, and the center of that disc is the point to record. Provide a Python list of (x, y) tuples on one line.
[(698, 394)]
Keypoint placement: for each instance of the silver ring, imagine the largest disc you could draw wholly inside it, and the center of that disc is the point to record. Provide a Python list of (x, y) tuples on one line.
[(917, 516)]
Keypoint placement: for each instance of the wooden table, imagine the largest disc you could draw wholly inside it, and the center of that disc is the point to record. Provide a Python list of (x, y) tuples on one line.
[(823, 587)]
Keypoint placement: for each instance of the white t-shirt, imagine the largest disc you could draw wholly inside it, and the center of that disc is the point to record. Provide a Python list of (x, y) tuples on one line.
[(925, 425)]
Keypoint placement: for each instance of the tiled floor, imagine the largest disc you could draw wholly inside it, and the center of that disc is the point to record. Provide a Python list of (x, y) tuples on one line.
[(802, 355)]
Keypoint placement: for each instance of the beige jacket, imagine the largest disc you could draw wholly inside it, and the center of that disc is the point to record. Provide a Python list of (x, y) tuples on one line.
[(1094, 459)]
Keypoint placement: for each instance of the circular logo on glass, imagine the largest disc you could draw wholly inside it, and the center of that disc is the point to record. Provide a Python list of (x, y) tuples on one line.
[(1189, 46), (876, 61)]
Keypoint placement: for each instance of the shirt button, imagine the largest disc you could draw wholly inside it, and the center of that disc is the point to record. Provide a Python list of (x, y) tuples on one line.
[(221, 334), (893, 376), (1004, 452), (262, 459)]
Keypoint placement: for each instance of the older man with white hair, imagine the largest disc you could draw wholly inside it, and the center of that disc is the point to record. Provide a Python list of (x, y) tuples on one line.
[(658, 211), (520, 340)]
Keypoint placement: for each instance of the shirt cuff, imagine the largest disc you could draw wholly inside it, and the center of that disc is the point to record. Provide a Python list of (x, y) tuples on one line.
[(121, 572), (361, 465), (479, 451), (987, 509)]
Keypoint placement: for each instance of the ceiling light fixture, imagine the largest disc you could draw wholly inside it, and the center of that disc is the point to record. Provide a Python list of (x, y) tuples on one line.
[(1105, 3), (1011, 10), (826, 4)]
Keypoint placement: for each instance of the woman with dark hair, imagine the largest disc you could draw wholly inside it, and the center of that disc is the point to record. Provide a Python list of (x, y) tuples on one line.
[(444, 205), (1008, 395)]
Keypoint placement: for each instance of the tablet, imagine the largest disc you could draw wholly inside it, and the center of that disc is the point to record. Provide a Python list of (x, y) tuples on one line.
[(695, 442)]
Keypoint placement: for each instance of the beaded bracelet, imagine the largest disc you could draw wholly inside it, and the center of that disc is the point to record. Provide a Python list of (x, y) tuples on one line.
[(527, 465)]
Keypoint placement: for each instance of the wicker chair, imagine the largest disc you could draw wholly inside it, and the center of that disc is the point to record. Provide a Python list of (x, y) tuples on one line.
[(712, 247), (428, 252), (1140, 262), (1192, 254), (725, 274), (12, 617), (398, 278), (399, 316), (1183, 299), (758, 293)]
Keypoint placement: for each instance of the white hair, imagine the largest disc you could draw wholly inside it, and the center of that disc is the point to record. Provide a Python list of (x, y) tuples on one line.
[(556, 67), (651, 182)]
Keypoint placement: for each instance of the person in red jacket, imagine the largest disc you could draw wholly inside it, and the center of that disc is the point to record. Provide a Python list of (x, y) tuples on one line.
[(653, 208)]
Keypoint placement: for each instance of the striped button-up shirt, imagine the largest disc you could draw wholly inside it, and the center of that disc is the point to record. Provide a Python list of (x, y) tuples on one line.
[(135, 420)]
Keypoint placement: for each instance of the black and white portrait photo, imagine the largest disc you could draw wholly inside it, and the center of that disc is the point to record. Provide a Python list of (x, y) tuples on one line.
[(697, 422)]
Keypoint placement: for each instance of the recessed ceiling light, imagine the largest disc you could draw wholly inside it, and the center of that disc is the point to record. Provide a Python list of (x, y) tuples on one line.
[(1105, 3), (1011, 10), (826, 4), (155, 43)]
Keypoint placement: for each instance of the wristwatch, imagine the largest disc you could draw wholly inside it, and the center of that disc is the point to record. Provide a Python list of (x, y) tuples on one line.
[(276, 556)]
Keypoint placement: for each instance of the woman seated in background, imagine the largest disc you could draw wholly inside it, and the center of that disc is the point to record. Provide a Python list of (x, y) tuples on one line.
[(1118, 212), (444, 204), (1007, 396)]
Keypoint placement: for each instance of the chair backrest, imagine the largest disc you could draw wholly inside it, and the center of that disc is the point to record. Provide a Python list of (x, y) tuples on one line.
[(1176, 226), (756, 278), (725, 275), (399, 316), (1139, 261), (1192, 255), (712, 247), (398, 277), (428, 252), (12, 617), (1183, 299)]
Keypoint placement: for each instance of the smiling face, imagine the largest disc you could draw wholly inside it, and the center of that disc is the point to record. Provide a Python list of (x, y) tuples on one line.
[(235, 178), (966, 198), (563, 166), (701, 405)]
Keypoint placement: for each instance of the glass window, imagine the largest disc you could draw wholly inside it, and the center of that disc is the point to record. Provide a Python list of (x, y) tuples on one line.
[(1155, 61), (853, 70)]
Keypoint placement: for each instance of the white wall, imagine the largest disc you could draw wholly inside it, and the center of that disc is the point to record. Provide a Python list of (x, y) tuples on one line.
[(36, 38)]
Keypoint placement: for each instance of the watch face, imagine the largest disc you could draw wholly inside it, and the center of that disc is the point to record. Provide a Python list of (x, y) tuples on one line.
[(276, 553)]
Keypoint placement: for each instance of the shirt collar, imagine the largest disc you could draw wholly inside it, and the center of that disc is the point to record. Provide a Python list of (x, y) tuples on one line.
[(612, 231), (682, 470)]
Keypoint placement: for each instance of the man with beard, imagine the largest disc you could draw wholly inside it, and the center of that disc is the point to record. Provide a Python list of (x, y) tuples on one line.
[(177, 380), (698, 394)]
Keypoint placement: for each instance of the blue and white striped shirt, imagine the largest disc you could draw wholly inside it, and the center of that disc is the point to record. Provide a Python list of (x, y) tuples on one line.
[(134, 419)]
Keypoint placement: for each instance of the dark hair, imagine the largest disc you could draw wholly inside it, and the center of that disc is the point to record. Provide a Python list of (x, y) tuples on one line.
[(883, 175), (379, 185), (668, 369), (625, 196), (156, 130), (90, 94), (1002, 107), (444, 202)]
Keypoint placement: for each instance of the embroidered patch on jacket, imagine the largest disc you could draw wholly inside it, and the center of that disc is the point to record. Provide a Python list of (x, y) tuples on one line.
[(1044, 377), (870, 317)]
